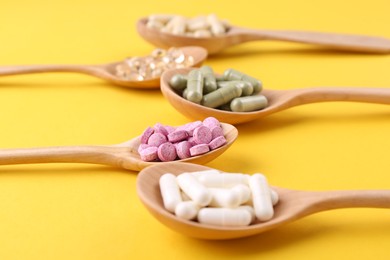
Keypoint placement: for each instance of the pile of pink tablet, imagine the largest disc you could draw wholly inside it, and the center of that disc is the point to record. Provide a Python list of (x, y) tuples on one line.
[(167, 143)]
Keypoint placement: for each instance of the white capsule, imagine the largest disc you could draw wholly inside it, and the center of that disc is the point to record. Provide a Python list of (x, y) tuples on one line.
[(223, 180), (179, 25), (187, 210), (194, 189), (217, 27), (170, 191), (198, 23), (243, 192), (224, 216), (250, 210), (261, 197), (274, 197), (224, 198), (205, 172)]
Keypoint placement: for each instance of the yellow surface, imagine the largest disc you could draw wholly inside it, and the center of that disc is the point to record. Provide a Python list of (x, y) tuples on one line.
[(74, 211)]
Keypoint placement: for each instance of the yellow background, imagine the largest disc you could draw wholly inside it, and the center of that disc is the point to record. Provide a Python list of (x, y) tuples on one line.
[(75, 211)]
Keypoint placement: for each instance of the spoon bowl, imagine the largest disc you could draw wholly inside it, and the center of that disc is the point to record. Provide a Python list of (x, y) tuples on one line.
[(236, 35), (278, 100), (104, 71), (292, 205), (124, 155)]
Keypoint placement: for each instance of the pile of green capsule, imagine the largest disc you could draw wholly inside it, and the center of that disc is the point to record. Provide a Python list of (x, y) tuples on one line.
[(233, 91)]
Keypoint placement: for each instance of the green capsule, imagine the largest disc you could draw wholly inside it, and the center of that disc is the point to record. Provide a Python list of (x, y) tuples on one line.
[(225, 107), (178, 82), (249, 103), (195, 86), (221, 96), (184, 93), (246, 87), (231, 74), (210, 82)]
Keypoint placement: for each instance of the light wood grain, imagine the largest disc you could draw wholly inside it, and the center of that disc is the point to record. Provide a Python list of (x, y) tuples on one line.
[(292, 205), (104, 71), (278, 100), (124, 155), (237, 35)]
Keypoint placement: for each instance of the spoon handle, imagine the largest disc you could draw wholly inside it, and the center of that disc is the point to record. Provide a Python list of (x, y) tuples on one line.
[(327, 200), (324, 94), (30, 69), (361, 43), (66, 154)]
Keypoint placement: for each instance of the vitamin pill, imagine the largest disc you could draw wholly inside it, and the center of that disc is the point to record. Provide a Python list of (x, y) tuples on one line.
[(249, 103), (223, 180), (217, 27), (202, 135), (246, 87), (217, 142), (190, 127), (146, 134), (224, 198), (178, 82), (183, 149), (250, 210), (177, 136), (274, 197), (194, 189), (187, 210), (195, 86), (210, 122), (167, 152), (232, 74), (206, 172), (179, 25), (221, 96), (199, 149), (154, 24), (156, 139), (210, 83), (216, 131), (224, 216), (163, 18), (142, 146), (159, 128), (202, 34), (198, 23), (149, 154), (170, 191), (242, 192), (261, 197)]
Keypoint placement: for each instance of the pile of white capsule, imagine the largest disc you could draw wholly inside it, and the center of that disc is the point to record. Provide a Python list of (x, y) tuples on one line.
[(200, 26), (218, 198)]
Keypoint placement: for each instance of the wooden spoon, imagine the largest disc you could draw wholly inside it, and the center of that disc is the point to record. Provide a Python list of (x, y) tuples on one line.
[(278, 100), (104, 71), (237, 35), (292, 205), (124, 155)]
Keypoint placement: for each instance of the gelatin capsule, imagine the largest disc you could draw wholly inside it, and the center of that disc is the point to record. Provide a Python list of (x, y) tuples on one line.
[(221, 96), (205, 172), (178, 82), (246, 87), (194, 189), (223, 180), (195, 86), (232, 74), (224, 216), (224, 198), (170, 191), (187, 210), (249, 103), (261, 197), (210, 83)]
